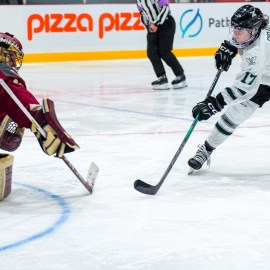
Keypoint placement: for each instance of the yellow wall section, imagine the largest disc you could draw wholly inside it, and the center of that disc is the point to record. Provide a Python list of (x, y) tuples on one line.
[(113, 55)]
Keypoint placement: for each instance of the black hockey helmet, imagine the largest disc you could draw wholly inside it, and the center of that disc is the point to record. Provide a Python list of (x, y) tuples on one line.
[(11, 51), (247, 18)]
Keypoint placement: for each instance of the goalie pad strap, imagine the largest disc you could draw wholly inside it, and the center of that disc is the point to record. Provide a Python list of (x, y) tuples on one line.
[(6, 162)]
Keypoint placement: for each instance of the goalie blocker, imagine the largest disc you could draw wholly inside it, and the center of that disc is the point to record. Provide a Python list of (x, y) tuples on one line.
[(10, 134), (6, 162)]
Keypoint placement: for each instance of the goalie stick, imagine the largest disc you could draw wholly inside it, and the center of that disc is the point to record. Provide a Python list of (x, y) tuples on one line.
[(93, 169), (148, 189)]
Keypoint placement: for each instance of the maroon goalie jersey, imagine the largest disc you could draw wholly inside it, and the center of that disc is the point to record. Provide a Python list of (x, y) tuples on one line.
[(18, 87)]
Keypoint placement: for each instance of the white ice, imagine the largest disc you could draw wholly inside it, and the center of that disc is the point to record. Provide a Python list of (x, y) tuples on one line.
[(217, 218)]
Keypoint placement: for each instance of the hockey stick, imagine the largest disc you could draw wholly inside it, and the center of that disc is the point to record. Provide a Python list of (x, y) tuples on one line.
[(93, 169), (152, 190)]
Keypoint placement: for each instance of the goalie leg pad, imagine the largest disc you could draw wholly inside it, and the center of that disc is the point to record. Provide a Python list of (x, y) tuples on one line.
[(6, 163), (10, 135)]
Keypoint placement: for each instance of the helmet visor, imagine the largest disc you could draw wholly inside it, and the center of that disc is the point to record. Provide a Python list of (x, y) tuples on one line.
[(241, 37)]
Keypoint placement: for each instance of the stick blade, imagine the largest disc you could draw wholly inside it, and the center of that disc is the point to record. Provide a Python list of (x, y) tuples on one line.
[(144, 188), (92, 175)]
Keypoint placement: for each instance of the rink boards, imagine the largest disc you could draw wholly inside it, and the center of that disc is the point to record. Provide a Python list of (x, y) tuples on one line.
[(112, 31)]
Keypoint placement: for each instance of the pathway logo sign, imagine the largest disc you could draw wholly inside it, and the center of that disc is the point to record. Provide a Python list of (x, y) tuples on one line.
[(191, 23)]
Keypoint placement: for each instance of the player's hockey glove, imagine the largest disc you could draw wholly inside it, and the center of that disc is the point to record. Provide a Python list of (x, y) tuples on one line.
[(208, 107), (224, 55), (58, 141)]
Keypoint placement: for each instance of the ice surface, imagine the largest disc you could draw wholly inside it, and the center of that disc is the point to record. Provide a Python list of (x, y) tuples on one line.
[(217, 218)]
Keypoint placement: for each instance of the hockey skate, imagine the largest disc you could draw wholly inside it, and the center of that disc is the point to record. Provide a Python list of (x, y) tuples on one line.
[(179, 82), (201, 156), (161, 83)]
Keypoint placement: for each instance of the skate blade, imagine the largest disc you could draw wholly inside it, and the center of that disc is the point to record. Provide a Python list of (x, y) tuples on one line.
[(180, 85), (191, 170), (161, 87)]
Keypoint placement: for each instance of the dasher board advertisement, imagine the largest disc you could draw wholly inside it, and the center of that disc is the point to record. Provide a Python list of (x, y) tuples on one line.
[(113, 27)]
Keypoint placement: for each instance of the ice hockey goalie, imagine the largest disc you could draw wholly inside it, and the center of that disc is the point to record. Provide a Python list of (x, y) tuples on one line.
[(6, 162)]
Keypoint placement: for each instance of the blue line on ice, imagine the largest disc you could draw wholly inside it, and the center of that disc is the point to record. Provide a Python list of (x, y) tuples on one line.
[(129, 111), (61, 220)]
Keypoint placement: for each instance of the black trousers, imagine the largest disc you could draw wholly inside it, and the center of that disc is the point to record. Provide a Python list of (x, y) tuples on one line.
[(160, 45)]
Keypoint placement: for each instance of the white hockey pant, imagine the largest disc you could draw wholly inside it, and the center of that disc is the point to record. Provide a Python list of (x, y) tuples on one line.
[(229, 121)]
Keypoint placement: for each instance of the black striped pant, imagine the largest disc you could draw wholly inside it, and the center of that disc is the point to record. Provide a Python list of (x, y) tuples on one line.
[(159, 47)]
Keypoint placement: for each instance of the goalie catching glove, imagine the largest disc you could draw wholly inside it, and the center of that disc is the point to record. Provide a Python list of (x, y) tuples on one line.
[(58, 141)]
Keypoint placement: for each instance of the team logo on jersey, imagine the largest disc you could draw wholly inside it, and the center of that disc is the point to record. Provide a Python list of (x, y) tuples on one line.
[(190, 23), (252, 61)]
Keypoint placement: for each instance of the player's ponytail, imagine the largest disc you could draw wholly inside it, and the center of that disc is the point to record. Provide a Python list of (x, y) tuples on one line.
[(264, 22)]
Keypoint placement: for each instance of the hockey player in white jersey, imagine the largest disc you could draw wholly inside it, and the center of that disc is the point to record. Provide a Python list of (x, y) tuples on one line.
[(250, 36)]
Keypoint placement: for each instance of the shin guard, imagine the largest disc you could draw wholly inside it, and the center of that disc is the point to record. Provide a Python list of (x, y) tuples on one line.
[(6, 162)]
